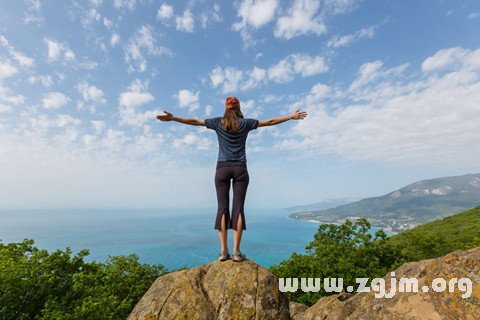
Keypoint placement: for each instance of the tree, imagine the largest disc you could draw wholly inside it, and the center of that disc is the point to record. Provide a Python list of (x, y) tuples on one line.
[(36, 284)]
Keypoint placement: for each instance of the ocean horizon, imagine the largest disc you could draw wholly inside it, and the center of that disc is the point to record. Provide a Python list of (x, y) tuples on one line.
[(173, 237)]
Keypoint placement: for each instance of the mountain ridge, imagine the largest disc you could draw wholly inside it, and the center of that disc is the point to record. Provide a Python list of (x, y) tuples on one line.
[(416, 203)]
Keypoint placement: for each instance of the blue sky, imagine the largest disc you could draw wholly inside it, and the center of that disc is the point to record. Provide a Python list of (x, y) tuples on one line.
[(392, 91)]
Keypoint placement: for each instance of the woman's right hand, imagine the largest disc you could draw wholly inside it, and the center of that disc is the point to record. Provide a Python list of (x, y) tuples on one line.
[(298, 115), (165, 117)]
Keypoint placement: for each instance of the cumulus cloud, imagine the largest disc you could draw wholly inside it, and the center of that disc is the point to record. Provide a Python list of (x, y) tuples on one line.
[(128, 4), (140, 44), (444, 58), (98, 125), (334, 7), (136, 95), (107, 23), (301, 18), (297, 63), (473, 15), (20, 57), (130, 100), (7, 69), (371, 71), (342, 41), (185, 22), (253, 15), (9, 99), (188, 99), (114, 39), (91, 95), (33, 14), (46, 80), (165, 12), (431, 119), (57, 50), (54, 100), (190, 141), (232, 79)]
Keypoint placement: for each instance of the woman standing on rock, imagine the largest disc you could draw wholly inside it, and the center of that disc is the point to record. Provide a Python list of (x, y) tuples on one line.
[(232, 130)]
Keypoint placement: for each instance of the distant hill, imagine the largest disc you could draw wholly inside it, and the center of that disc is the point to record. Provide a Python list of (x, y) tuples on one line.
[(402, 209), (327, 204)]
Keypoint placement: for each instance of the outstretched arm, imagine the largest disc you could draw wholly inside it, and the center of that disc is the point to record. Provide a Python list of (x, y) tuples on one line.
[(293, 116), (170, 117)]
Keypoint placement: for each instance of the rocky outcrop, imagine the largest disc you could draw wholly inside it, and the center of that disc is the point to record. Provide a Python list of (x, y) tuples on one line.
[(297, 310), (218, 290), (229, 290), (413, 306)]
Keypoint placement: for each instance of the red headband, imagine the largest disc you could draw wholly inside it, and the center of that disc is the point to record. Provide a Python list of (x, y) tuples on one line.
[(232, 103)]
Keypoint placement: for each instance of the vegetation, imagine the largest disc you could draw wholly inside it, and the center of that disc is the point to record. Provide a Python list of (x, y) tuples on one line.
[(437, 238), (348, 251), (36, 284)]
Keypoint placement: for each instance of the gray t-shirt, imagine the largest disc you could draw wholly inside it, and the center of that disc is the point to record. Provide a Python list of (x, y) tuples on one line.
[(232, 145)]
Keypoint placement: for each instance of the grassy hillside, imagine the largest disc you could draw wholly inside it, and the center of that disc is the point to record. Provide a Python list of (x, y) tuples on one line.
[(460, 231)]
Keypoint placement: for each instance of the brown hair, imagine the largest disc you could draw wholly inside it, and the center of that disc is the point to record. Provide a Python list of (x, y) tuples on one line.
[(230, 120)]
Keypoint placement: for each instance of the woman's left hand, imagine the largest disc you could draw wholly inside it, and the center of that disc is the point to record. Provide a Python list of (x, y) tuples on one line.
[(167, 117)]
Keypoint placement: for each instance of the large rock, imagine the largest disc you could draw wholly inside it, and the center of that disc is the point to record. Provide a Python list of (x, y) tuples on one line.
[(218, 290), (413, 306)]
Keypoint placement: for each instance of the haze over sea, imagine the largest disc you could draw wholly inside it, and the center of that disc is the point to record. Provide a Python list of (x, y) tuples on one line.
[(173, 237)]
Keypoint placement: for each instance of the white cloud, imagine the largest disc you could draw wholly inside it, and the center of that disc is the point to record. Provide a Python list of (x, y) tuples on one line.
[(191, 140), (254, 14), (211, 15), (188, 99), (165, 12), (33, 14), (143, 42), (98, 125), (301, 18), (208, 110), (473, 15), (46, 80), (88, 64), (96, 3), (429, 120), (185, 22), (119, 4), (297, 63), (341, 41), (444, 58), (372, 71), (91, 95), (21, 58), (7, 70), (231, 79), (333, 7), (9, 99), (54, 100), (43, 122), (115, 39), (57, 49), (135, 96), (107, 23)]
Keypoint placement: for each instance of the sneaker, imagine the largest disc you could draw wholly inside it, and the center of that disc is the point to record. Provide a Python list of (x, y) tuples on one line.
[(223, 256), (238, 256)]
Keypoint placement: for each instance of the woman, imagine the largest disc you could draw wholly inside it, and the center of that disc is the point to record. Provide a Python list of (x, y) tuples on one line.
[(232, 131)]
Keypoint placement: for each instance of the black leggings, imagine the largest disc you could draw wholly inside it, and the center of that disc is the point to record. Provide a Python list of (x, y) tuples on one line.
[(227, 170)]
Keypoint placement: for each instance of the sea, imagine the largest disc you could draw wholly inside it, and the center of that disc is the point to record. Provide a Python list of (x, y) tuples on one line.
[(175, 238)]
